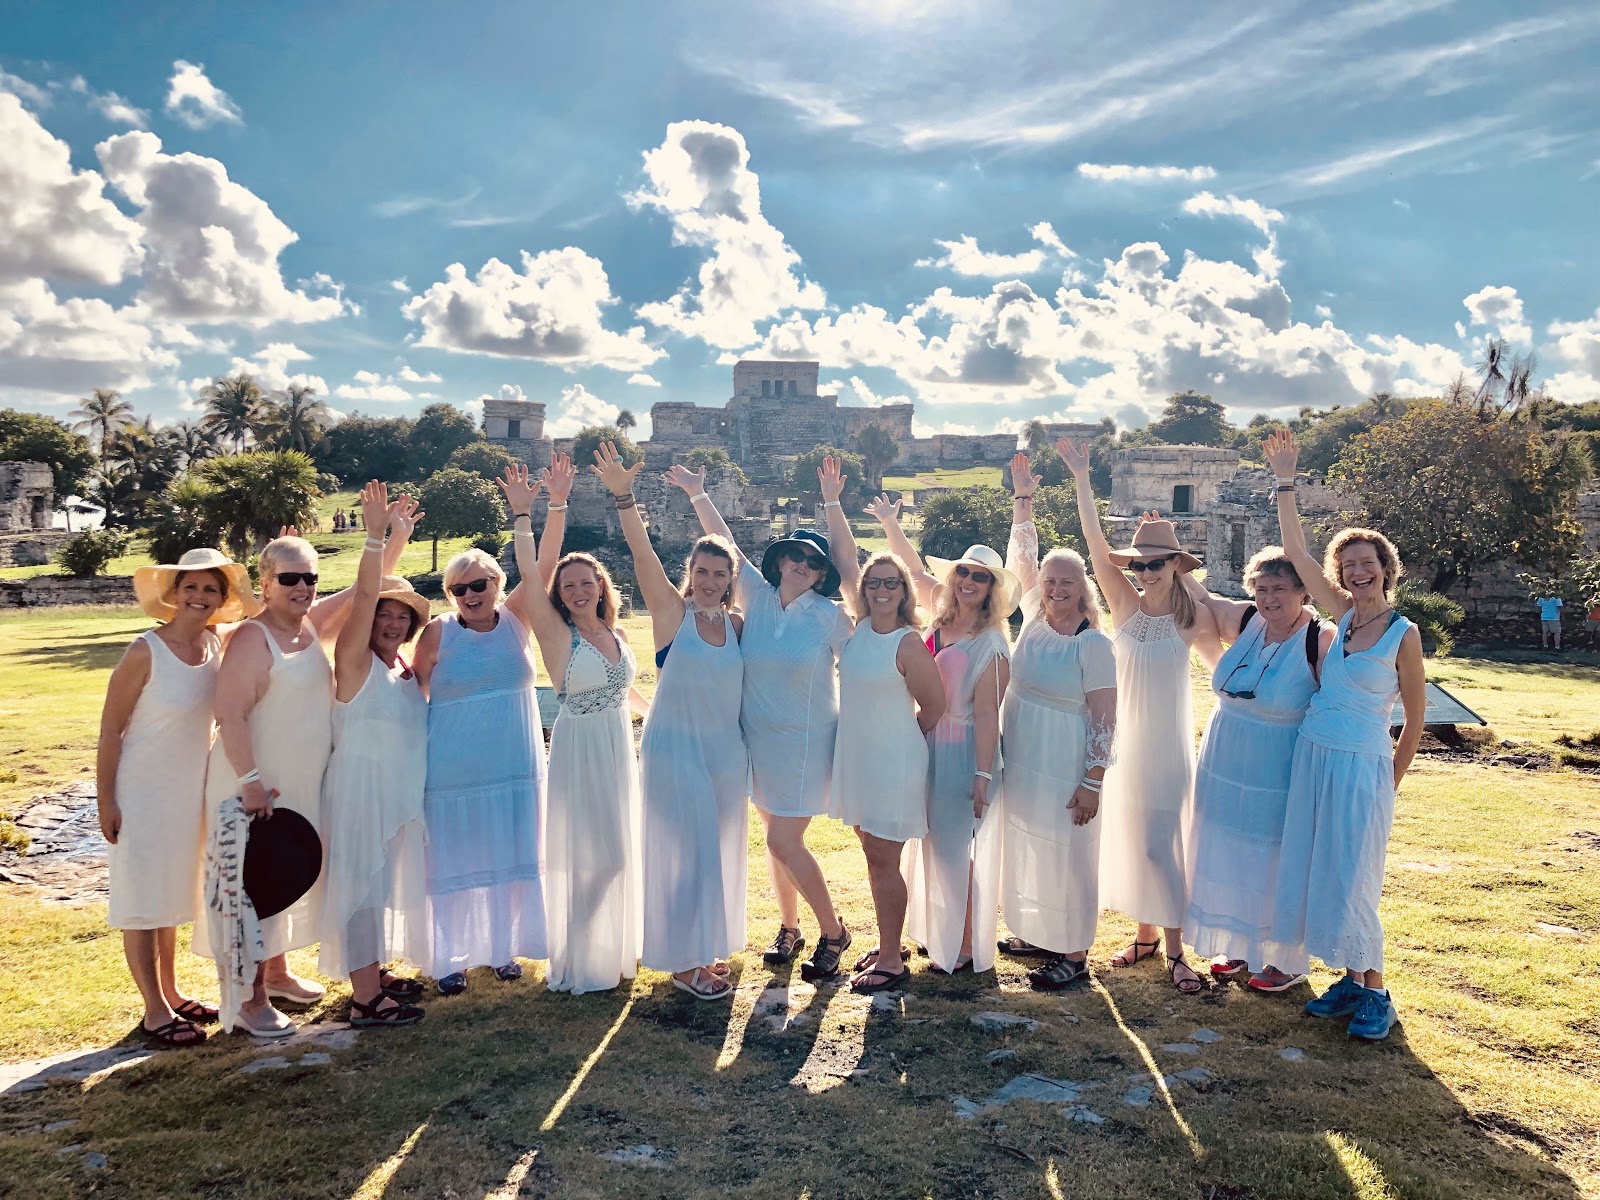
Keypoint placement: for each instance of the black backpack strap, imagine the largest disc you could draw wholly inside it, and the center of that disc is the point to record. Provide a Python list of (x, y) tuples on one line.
[(1245, 620), (1313, 638)]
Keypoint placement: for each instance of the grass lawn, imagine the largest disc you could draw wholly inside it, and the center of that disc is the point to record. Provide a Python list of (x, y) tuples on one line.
[(1488, 1087), (966, 477)]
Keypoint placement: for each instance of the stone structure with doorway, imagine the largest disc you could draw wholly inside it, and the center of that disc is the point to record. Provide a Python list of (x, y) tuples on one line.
[(518, 425), (27, 508)]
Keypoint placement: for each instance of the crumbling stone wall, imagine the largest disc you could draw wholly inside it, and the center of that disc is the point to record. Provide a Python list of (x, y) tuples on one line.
[(1149, 477), (27, 497), (1244, 518), (518, 425)]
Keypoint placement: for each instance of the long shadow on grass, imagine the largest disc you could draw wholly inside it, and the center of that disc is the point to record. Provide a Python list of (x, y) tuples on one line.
[(101, 653)]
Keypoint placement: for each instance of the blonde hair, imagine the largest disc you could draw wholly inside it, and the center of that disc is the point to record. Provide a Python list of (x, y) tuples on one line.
[(1089, 602), (907, 611), (1184, 613), (1270, 560), (717, 546), (610, 604), (281, 548), (1388, 558), (467, 559), (993, 618)]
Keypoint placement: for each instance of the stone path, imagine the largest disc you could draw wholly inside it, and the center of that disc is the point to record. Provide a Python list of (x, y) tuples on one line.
[(66, 857)]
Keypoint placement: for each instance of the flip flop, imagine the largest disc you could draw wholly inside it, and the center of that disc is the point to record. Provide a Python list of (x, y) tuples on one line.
[(1021, 948), (369, 1016), (197, 1011), (884, 980), (962, 965), (871, 956), (171, 1036)]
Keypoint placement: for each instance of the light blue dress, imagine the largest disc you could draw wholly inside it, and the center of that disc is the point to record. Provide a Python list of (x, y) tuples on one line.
[(484, 800), (696, 828), (1341, 805), (1241, 790)]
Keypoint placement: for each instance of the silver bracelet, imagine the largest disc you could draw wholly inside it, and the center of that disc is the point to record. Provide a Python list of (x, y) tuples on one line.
[(983, 775), (251, 776), (562, 507), (697, 498)]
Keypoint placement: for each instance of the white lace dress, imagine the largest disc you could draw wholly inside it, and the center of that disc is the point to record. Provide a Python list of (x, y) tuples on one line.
[(592, 888), (1149, 793), (1050, 871)]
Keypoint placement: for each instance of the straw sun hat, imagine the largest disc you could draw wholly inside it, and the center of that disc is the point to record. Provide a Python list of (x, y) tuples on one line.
[(1156, 539), (153, 586), (1007, 588), (397, 587)]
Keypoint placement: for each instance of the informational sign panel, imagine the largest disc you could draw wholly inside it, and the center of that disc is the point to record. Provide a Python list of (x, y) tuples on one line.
[(1443, 709)]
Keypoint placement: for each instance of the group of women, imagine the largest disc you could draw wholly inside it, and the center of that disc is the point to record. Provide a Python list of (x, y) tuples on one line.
[(1047, 779)]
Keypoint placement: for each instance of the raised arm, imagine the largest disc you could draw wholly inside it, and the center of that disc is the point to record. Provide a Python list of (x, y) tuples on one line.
[(1022, 549), (841, 541), (1121, 595), (693, 484), (558, 479), (1282, 456), (535, 608), (888, 513), (352, 654), (122, 693), (328, 614), (664, 602)]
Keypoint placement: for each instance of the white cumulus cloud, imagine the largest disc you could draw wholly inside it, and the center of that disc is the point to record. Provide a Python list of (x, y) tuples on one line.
[(409, 375), (1500, 310), (53, 350), (965, 258), (1207, 205), (577, 409), (196, 101), (1578, 346), (1123, 173), (1045, 234), (640, 379)]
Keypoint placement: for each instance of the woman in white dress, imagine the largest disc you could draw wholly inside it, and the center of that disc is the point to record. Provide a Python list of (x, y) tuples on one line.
[(484, 797), (789, 712), (693, 765), (150, 775), (1263, 684), (953, 873), (1346, 769), (274, 709), (890, 699), (375, 900), (1058, 726), (1149, 794), (592, 887)]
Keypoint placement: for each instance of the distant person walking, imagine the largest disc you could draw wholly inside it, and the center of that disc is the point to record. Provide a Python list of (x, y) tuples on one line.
[(1549, 621)]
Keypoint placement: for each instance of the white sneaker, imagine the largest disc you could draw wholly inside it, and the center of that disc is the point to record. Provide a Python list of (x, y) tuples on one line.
[(297, 991), (269, 1024)]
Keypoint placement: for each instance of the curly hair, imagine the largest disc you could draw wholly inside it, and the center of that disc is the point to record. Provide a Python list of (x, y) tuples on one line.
[(1388, 558), (1270, 560), (610, 604), (717, 546), (907, 611)]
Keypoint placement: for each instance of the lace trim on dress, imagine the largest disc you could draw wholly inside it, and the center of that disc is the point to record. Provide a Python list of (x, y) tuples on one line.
[(1142, 627), (609, 695), (1101, 748)]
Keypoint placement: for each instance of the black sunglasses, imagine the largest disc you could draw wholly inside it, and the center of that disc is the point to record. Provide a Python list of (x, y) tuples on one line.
[(290, 578), (892, 583), (975, 576), (476, 585), (795, 554), (1155, 564)]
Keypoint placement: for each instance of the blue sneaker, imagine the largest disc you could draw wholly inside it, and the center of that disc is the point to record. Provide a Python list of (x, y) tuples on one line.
[(453, 984), (1341, 1000), (1375, 1017)]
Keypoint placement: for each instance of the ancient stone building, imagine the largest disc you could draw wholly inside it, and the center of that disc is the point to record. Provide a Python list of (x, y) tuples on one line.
[(27, 507), (1243, 518), (518, 425), (1179, 482)]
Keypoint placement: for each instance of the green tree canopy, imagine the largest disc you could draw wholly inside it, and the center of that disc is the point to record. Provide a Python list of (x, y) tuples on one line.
[(30, 437), (253, 495), (962, 517), (483, 458), (878, 452), (458, 503), (235, 408), (183, 518), (1193, 420), (804, 476), (715, 460), (588, 441), (437, 433), (360, 448), (294, 420), (626, 420), (1323, 436)]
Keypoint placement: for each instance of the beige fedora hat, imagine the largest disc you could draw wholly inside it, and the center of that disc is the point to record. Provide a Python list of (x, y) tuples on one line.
[(398, 587), (152, 586), (1007, 587), (1156, 539)]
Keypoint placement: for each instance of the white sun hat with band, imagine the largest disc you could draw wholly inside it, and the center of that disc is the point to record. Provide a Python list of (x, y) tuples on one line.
[(1156, 539), (152, 586), (1007, 587)]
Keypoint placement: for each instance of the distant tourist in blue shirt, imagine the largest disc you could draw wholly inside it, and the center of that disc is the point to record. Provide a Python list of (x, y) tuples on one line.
[(1549, 621)]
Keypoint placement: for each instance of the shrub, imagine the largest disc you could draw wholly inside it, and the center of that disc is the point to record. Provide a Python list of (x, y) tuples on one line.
[(1435, 616), (90, 552), (489, 542)]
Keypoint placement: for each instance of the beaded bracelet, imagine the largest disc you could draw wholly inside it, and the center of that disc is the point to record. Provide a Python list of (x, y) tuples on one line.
[(624, 503)]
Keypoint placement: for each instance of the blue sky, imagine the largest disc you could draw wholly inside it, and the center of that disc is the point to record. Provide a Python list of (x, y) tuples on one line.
[(999, 210)]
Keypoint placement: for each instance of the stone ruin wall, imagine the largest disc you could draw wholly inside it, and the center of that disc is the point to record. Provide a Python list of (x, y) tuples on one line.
[(27, 511), (531, 445), (1244, 519)]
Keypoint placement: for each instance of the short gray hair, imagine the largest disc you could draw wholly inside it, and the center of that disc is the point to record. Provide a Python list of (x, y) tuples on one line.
[(461, 563), (279, 549)]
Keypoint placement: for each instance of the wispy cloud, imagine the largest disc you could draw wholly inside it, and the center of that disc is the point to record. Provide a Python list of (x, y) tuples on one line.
[(1123, 173), (406, 206), (1383, 155)]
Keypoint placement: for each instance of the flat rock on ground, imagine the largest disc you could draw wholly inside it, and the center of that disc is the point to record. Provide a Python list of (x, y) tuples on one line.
[(66, 855)]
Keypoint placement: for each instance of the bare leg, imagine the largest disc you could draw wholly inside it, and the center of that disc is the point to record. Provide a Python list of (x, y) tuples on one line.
[(366, 985), (1369, 979), (140, 947), (278, 974), (966, 929), (1145, 943), (786, 842), (783, 886), (1181, 972), (888, 897)]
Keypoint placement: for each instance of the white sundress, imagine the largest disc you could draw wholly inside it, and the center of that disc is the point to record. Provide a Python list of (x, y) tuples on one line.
[(592, 889), (790, 711), (1241, 790), (375, 908), (1341, 806), (484, 798), (1148, 794), (960, 856), (694, 771), (160, 790), (880, 758), (1050, 871)]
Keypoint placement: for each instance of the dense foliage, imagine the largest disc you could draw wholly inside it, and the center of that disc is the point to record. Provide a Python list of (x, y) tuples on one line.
[(589, 439), (804, 476), (954, 520), (716, 462), (89, 553), (457, 503), (30, 437)]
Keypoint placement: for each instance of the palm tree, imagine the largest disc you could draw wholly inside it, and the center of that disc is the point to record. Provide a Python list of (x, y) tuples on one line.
[(103, 414), (1035, 436), (235, 408), (195, 442), (626, 421), (296, 419), (878, 450)]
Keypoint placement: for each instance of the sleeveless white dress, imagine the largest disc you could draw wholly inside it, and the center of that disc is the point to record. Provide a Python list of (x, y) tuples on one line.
[(880, 758), (375, 908), (160, 789), (291, 733), (1050, 873), (791, 704), (484, 798), (1241, 790), (593, 893), (696, 831), (959, 851), (1341, 806), (1149, 793)]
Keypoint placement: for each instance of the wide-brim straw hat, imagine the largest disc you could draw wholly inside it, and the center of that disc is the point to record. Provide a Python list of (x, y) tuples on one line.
[(398, 587), (1156, 539), (152, 586), (1007, 587), (806, 539)]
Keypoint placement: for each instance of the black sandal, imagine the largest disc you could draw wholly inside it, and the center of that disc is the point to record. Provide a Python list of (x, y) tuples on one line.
[(368, 1015), (963, 963), (1021, 948), (785, 946), (398, 987), (871, 956), (1120, 958), (879, 979), (197, 1012), (1059, 973), (824, 960), (177, 1034), (1183, 985)]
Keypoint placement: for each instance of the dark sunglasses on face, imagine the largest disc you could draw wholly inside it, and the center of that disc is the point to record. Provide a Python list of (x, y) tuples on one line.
[(893, 584), (290, 578), (475, 585), (975, 576), (1155, 564), (795, 554)]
